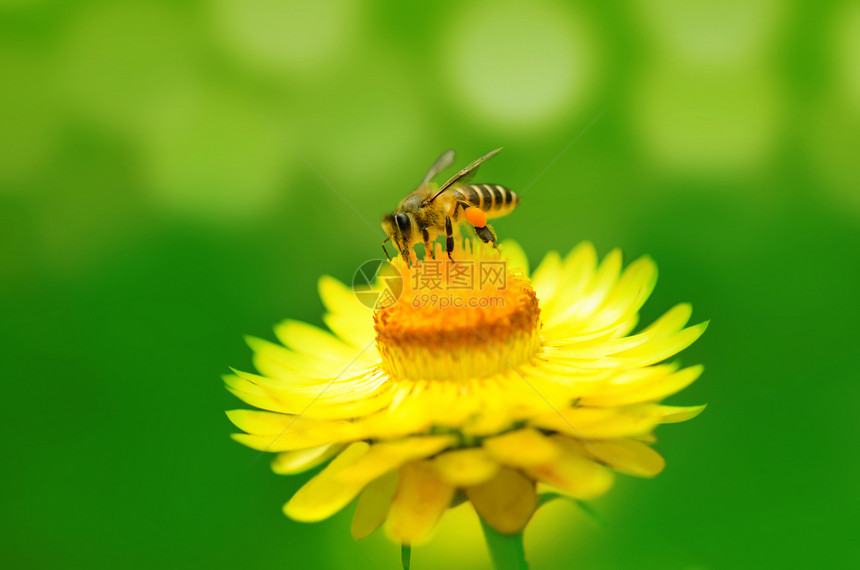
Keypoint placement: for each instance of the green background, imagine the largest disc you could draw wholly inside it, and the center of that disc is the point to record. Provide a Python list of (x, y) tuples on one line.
[(176, 175)]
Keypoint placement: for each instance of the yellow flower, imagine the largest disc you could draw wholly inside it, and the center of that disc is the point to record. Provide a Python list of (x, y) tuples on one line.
[(488, 393)]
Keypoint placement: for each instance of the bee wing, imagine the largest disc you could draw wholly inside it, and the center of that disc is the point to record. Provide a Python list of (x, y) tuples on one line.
[(445, 160), (467, 173)]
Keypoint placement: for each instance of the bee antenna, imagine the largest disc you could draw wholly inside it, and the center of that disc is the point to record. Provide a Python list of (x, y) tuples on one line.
[(437, 194)]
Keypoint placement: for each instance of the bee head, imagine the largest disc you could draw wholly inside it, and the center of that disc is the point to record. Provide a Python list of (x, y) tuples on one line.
[(389, 226), (398, 227)]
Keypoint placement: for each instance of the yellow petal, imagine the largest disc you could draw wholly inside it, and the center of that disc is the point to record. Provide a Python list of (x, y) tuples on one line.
[(598, 289), (336, 296), (649, 438), (660, 349), (601, 423), (350, 396), (346, 479), (291, 462), (546, 279), (668, 324), (257, 422), (628, 456), (289, 441), (307, 368), (579, 267), (373, 505), (252, 394), (322, 496), (270, 423), (421, 499), (465, 467), (347, 317), (281, 432), (235, 382), (635, 285), (675, 414), (383, 457), (672, 320), (521, 448), (305, 338), (442, 403), (276, 361), (388, 426), (627, 296), (517, 259), (642, 385), (506, 502), (573, 473), (578, 282)]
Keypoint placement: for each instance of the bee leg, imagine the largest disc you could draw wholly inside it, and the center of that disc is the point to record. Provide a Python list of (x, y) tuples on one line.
[(487, 235), (385, 251), (478, 219), (449, 237), (459, 205), (428, 247)]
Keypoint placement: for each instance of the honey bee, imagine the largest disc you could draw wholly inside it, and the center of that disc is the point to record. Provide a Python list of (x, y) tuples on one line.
[(430, 211)]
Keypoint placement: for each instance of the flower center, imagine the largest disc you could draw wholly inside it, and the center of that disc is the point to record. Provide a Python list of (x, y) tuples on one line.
[(459, 334)]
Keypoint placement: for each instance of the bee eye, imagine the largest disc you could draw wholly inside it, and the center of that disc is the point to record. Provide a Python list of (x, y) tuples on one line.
[(403, 223)]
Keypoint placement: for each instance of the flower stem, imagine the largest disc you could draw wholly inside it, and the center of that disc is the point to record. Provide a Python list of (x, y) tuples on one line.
[(506, 550), (406, 556)]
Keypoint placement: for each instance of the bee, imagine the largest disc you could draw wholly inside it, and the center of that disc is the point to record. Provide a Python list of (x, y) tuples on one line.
[(430, 211)]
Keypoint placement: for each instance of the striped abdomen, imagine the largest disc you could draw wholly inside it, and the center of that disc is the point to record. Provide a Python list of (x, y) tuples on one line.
[(495, 200)]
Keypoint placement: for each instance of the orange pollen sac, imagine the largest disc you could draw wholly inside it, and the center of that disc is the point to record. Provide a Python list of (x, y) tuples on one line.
[(457, 335), (476, 216)]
